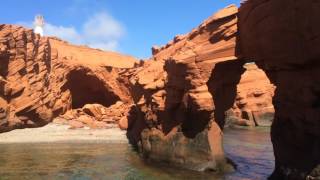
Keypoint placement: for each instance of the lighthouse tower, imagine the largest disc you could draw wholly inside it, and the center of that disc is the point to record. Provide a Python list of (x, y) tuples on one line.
[(38, 25)]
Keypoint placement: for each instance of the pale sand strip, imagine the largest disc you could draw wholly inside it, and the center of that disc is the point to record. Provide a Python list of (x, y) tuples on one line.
[(52, 133)]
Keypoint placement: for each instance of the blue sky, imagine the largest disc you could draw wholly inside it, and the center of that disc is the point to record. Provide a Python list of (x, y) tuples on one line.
[(127, 26)]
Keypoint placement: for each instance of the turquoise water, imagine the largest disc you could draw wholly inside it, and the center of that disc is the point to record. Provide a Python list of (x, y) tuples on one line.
[(250, 150)]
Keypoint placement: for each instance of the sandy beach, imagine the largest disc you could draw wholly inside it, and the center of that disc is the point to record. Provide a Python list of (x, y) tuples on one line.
[(55, 133)]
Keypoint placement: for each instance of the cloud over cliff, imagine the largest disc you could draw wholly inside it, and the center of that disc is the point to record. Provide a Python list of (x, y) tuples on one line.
[(101, 30)]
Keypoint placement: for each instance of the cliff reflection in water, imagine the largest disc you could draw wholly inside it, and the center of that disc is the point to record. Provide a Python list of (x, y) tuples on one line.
[(251, 150)]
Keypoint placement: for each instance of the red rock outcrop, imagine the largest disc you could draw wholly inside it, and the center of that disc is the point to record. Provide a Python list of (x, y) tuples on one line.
[(26, 94), (183, 93), (40, 78), (173, 104), (282, 37), (176, 104)]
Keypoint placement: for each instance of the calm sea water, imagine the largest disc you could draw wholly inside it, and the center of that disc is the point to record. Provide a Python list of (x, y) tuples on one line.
[(251, 150)]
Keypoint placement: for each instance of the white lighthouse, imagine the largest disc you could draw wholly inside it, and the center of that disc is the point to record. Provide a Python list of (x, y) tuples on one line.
[(38, 25)]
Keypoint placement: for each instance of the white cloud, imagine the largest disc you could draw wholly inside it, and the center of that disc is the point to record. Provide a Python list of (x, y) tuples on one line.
[(66, 33), (100, 31), (102, 25), (103, 31)]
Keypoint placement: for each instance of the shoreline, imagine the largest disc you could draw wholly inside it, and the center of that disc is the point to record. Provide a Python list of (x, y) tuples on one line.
[(56, 133)]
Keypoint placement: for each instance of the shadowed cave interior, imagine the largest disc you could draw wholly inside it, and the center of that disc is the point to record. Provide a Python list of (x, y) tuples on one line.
[(86, 88)]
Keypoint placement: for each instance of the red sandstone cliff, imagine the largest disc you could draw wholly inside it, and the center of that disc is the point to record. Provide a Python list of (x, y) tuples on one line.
[(26, 92), (175, 105), (41, 78), (180, 96), (184, 91)]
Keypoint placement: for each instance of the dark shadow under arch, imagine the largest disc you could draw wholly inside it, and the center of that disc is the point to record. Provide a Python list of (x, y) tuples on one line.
[(86, 88)]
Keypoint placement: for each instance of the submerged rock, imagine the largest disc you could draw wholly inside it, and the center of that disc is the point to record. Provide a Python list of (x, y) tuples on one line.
[(201, 153)]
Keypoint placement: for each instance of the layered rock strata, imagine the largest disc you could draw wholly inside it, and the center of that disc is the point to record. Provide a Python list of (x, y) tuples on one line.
[(174, 108), (175, 105), (41, 78), (26, 94)]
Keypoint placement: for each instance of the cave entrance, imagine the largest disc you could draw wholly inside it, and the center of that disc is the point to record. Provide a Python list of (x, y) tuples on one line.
[(86, 88)]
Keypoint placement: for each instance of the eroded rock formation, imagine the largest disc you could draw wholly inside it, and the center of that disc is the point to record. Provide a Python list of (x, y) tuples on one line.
[(26, 94), (175, 105), (183, 93), (282, 37), (204, 82), (42, 78)]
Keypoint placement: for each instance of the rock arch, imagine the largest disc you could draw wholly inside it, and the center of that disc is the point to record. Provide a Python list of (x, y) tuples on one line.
[(282, 37), (242, 94)]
